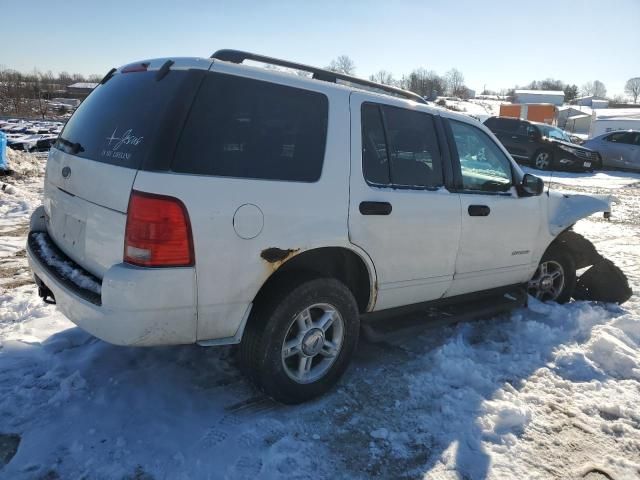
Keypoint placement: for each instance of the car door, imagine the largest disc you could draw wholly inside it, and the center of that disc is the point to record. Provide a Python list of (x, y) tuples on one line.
[(512, 135), (635, 159), (399, 211), (499, 228), (618, 149)]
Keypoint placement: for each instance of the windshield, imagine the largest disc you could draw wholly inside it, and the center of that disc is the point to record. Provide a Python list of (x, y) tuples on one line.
[(553, 132)]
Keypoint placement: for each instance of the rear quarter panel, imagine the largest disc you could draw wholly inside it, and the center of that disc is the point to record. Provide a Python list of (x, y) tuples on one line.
[(296, 216)]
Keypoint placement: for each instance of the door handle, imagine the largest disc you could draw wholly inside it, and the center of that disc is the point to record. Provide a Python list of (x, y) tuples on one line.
[(375, 208), (514, 137), (479, 210)]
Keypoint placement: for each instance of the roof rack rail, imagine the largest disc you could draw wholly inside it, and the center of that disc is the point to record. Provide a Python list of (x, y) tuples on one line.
[(238, 56)]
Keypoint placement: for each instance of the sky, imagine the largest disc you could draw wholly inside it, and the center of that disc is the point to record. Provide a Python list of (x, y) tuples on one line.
[(495, 43)]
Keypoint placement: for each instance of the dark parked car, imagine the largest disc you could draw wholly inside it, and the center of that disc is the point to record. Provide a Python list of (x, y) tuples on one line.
[(541, 145)]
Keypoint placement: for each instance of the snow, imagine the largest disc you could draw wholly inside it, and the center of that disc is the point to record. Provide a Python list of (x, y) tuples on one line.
[(617, 113), (540, 92), (65, 268), (481, 109), (546, 392)]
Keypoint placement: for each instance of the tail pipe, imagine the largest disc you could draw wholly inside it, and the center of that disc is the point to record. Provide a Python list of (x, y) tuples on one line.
[(44, 292)]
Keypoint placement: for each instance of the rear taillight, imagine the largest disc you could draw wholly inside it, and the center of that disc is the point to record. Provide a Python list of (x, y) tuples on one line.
[(158, 232)]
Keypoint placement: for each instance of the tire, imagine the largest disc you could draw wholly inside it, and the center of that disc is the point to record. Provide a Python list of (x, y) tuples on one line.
[(560, 292), (539, 162), (277, 319), (582, 251), (604, 282)]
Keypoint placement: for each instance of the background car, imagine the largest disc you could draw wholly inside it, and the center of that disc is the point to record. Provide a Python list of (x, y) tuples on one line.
[(541, 145), (618, 149)]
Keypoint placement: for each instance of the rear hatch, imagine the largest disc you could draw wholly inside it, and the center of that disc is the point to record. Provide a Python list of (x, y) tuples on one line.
[(129, 122)]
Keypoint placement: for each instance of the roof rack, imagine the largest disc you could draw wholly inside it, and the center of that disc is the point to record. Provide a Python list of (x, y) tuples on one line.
[(238, 56)]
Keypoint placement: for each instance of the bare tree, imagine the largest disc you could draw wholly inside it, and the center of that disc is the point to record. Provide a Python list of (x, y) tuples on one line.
[(595, 88), (342, 64), (384, 77), (455, 82), (632, 88), (425, 83)]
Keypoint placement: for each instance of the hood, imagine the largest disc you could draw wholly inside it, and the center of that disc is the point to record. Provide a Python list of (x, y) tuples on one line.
[(565, 209), (568, 144)]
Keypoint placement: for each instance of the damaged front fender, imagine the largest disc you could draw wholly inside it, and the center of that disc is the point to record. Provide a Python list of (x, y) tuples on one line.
[(565, 209)]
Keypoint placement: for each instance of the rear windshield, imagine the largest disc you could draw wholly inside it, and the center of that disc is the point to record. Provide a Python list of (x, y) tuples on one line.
[(239, 127), (118, 122)]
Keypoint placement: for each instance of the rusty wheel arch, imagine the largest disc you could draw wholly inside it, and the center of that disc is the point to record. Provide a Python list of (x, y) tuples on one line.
[(333, 262)]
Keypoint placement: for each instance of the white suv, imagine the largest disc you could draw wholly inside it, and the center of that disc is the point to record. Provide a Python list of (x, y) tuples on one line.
[(207, 201)]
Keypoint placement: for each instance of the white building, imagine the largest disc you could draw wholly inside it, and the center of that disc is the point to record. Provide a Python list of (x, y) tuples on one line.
[(605, 120), (574, 119), (591, 101), (554, 97)]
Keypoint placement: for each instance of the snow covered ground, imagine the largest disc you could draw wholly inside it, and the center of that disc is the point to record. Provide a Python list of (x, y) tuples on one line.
[(546, 392), (481, 109)]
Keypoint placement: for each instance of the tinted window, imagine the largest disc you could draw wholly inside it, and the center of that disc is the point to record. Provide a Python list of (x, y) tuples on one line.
[(406, 153), (622, 137), (413, 148), (483, 165), (504, 124), (375, 163), (240, 127), (117, 123)]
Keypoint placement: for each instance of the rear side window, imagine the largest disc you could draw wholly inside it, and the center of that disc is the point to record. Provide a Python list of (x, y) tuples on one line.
[(399, 148), (375, 163), (118, 122), (622, 137), (504, 124), (246, 128)]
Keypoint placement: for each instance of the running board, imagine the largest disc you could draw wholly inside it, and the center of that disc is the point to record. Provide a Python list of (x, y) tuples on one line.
[(378, 327)]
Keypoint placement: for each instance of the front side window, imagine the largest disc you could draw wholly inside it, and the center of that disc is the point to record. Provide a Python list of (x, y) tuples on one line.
[(622, 137), (484, 167), (240, 127), (553, 132), (399, 148)]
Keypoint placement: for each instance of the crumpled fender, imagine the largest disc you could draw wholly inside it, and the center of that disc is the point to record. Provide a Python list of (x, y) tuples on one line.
[(565, 209)]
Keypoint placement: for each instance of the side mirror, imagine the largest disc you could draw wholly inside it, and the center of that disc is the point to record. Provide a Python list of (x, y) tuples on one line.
[(532, 185)]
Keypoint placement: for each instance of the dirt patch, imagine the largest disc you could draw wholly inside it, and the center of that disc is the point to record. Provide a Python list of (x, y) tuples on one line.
[(21, 231)]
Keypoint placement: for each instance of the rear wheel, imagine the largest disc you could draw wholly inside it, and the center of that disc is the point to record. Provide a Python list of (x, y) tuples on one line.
[(542, 160), (300, 340), (555, 277)]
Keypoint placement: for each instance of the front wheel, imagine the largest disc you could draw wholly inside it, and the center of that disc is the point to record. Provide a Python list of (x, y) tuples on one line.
[(555, 277), (542, 160), (299, 341)]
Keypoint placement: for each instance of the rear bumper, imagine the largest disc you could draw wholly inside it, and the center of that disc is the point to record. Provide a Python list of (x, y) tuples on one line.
[(134, 306)]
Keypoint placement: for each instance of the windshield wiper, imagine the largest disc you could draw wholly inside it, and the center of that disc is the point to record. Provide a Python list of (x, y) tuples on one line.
[(71, 147), (106, 78)]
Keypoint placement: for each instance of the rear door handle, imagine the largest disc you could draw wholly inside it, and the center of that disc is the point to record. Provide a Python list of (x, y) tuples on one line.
[(375, 208), (479, 210)]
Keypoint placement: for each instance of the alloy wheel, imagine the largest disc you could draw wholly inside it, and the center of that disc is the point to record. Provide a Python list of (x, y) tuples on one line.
[(312, 343), (543, 160), (548, 281)]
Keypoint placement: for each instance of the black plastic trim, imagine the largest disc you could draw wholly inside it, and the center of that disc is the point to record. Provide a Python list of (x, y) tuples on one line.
[(83, 293), (238, 56)]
